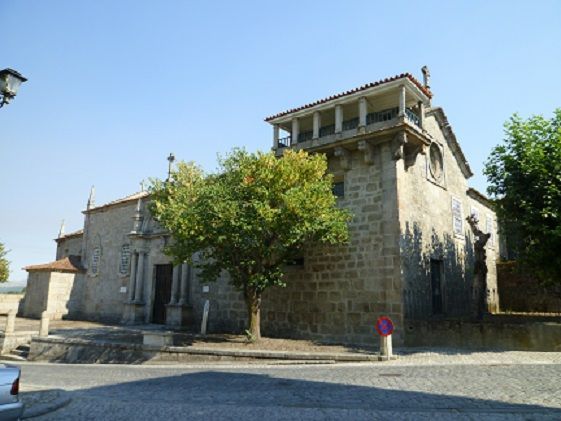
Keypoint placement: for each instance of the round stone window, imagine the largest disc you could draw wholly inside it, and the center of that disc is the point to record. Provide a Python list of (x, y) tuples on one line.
[(435, 157)]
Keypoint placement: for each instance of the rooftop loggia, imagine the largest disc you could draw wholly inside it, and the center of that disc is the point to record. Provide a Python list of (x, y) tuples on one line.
[(389, 104)]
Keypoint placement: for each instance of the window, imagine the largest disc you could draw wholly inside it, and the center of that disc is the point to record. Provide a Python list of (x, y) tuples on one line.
[(457, 221), (94, 266), (338, 189), (298, 261), (489, 228), (435, 162), (125, 259)]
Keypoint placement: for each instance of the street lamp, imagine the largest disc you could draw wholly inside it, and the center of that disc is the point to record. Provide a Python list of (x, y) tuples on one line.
[(9, 85), (171, 158)]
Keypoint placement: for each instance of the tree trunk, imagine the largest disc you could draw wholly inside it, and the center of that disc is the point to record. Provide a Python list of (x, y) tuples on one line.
[(253, 302)]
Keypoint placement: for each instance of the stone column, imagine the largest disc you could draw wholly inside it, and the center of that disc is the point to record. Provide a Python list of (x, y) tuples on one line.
[(317, 124), (174, 285), (44, 326), (338, 119), (402, 101), (185, 272), (275, 136), (362, 107), (295, 130), (10, 322), (139, 278), (132, 276)]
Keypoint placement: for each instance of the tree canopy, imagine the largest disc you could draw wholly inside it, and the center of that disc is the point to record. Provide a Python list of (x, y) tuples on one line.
[(250, 218), (524, 173), (4, 264)]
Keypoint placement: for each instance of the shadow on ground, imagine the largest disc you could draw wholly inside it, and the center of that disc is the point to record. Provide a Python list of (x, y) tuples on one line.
[(227, 395)]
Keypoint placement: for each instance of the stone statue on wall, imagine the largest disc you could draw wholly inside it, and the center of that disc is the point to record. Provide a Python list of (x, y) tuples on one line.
[(480, 269)]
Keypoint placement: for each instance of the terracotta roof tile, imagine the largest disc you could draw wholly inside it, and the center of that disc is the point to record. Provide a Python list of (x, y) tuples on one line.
[(352, 91), (72, 264)]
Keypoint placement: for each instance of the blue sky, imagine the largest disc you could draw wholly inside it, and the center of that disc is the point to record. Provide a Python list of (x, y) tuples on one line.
[(115, 86)]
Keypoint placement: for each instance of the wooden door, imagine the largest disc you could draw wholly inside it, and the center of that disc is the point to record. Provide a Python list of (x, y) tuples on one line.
[(436, 285), (162, 293)]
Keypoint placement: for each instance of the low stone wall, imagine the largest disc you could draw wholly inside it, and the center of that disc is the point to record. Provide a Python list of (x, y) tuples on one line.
[(10, 341), (61, 350), (522, 293), (10, 302), (523, 335)]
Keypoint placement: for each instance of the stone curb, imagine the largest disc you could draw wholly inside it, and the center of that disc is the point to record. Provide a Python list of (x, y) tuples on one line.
[(217, 352), (60, 399)]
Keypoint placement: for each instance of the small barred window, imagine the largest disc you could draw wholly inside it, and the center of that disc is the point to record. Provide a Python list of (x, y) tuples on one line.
[(94, 266), (457, 221), (125, 259)]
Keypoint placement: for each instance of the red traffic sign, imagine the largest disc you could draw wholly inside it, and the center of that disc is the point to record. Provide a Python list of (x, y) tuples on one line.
[(384, 326)]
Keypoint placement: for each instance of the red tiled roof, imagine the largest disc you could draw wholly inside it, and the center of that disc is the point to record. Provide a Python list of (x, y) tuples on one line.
[(134, 196), (352, 91), (72, 264)]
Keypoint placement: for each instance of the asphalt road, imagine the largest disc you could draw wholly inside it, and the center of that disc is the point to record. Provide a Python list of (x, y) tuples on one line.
[(341, 392)]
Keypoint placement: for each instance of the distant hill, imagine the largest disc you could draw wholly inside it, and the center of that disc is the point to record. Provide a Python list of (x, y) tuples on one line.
[(12, 289)]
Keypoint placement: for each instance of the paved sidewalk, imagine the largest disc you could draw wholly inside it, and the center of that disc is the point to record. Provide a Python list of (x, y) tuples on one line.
[(42, 401)]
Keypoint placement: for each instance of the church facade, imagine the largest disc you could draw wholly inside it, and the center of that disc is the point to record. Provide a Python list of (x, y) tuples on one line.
[(397, 167)]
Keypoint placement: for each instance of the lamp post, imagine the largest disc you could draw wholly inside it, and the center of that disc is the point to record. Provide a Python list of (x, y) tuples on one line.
[(10, 80), (171, 158)]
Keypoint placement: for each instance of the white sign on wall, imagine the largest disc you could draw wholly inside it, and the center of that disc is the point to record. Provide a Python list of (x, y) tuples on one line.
[(123, 289)]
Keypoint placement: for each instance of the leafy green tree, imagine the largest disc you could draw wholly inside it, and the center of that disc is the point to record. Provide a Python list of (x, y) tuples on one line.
[(250, 218), (525, 178), (4, 264)]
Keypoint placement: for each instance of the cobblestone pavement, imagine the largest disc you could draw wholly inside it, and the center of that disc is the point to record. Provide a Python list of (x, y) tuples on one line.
[(501, 388)]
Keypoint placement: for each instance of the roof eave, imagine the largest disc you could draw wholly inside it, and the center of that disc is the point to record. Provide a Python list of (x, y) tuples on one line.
[(446, 128), (412, 84)]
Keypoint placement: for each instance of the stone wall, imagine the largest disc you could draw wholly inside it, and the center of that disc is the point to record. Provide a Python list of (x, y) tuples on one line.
[(523, 293), (426, 219), (10, 302), (339, 292), (71, 246), (48, 291), (60, 288), (488, 335), (36, 294), (101, 295)]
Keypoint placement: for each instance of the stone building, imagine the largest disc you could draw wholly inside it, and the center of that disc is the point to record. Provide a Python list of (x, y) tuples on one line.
[(397, 167)]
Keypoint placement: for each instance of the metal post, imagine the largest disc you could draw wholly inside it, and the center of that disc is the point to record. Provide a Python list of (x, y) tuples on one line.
[(386, 351)]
